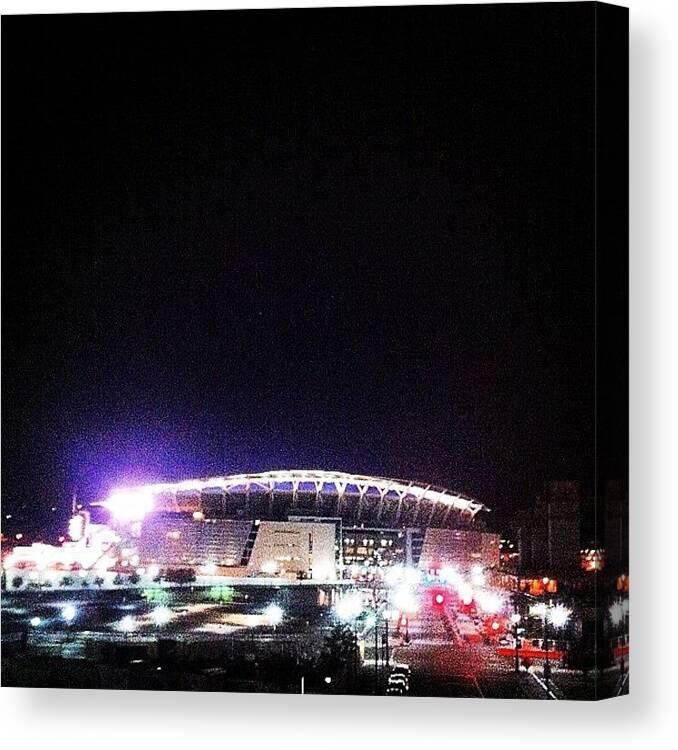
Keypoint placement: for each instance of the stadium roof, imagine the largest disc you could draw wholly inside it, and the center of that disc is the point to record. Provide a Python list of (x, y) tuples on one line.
[(133, 503)]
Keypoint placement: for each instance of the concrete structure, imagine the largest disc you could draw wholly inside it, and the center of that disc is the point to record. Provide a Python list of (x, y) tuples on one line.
[(459, 548), (284, 525), (293, 549)]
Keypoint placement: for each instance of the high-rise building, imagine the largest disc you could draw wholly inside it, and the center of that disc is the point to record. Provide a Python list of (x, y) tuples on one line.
[(616, 527)]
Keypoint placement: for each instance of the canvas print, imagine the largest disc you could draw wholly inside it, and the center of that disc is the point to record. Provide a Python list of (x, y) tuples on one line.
[(314, 351)]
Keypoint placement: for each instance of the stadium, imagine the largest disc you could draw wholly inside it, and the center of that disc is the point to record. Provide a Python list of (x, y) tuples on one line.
[(291, 525), (298, 523)]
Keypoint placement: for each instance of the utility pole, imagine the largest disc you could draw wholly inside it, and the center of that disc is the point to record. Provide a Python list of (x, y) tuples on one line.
[(376, 650), (516, 622), (547, 663)]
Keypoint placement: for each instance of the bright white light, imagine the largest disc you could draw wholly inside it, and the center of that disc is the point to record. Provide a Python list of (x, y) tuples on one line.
[(349, 607), (412, 576), (127, 623), (477, 575), (35, 621), (616, 613), (153, 571), (209, 570), (323, 572), (489, 601), (394, 575), (76, 527), (404, 599), (274, 614), (450, 575), (269, 567), (130, 505), (559, 615), (515, 618), (69, 613), (161, 615), (465, 593), (370, 621)]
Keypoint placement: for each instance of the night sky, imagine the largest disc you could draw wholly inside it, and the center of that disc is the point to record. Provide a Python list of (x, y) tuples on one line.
[(357, 240)]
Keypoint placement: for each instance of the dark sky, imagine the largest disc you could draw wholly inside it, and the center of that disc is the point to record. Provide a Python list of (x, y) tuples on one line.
[(355, 239)]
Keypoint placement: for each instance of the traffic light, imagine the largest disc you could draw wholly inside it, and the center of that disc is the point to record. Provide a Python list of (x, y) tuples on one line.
[(438, 599)]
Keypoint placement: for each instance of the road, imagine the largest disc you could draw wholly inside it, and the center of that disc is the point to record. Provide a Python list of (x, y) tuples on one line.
[(444, 665)]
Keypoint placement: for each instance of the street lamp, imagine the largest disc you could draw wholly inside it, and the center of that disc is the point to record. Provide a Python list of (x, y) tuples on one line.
[(557, 615), (127, 624), (347, 609), (274, 615), (515, 619), (161, 616), (35, 622), (68, 614)]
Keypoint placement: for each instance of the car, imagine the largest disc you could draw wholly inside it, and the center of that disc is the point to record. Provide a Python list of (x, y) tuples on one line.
[(395, 690), (400, 682), (398, 678), (401, 669), (504, 641)]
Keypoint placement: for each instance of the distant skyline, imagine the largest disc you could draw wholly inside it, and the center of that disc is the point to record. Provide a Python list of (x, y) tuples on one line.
[(241, 241)]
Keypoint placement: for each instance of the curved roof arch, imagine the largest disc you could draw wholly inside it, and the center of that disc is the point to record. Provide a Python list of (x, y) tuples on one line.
[(134, 502)]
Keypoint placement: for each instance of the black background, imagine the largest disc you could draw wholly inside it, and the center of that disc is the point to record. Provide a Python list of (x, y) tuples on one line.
[(344, 239)]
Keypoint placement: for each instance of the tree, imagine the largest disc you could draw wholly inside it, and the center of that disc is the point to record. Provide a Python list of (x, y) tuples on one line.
[(17, 582), (338, 651), (181, 576), (99, 581)]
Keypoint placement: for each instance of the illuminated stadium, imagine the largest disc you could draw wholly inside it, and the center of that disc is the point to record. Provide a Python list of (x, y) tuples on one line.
[(276, 495), (297, 525)]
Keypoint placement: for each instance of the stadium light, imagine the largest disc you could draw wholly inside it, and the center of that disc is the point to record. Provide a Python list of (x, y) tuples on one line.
[(130, 505)]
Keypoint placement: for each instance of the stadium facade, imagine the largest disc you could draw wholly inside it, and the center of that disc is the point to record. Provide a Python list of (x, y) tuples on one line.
[(286, 525)]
